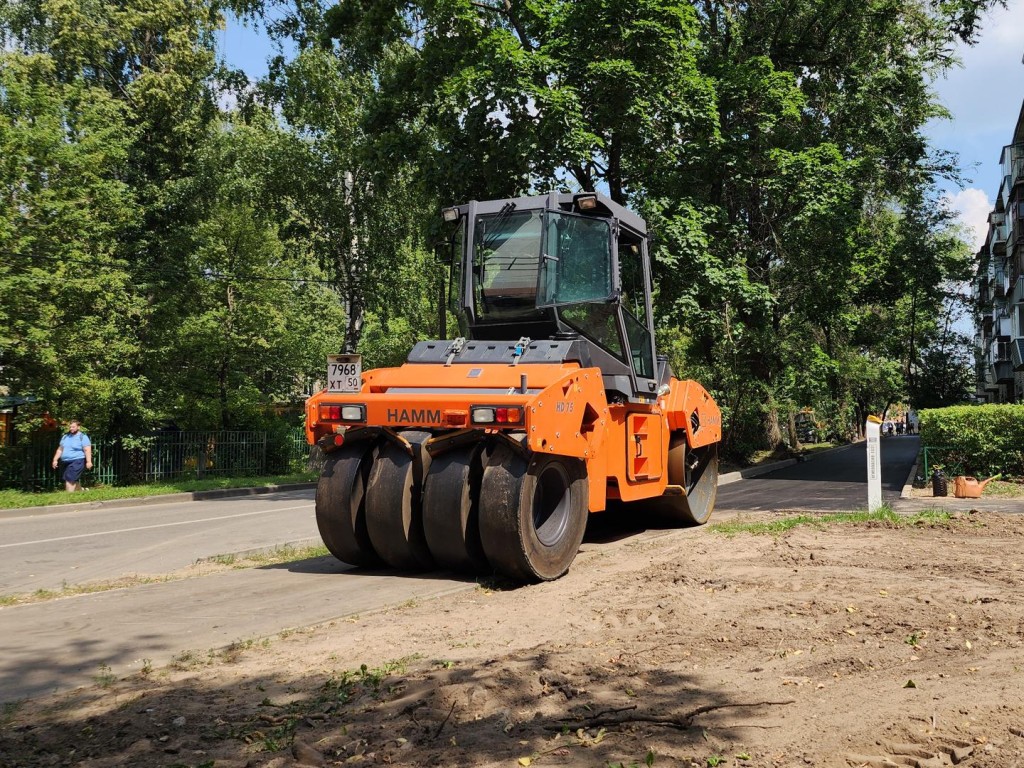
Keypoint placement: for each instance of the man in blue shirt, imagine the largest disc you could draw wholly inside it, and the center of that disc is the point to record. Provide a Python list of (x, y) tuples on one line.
[(75, 450)]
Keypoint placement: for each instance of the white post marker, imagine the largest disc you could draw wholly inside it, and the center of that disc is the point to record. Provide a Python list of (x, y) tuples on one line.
[(873, 430)]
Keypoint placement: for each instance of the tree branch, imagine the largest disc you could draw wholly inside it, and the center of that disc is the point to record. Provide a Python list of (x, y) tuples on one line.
[(629, 715), (506, 10)]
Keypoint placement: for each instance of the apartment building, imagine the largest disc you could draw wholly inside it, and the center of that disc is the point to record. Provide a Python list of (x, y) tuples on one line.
[(999, 285)]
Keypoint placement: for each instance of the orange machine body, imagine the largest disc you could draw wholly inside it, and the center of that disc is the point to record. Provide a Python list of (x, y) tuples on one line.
[(549, 408)]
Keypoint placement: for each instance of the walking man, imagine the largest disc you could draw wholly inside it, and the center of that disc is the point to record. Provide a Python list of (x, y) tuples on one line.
[(75, 451)]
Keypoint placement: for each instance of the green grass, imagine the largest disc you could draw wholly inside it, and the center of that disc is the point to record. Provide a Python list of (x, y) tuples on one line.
[(885, 516), (1001, 489), (276, 556), (282, 554), (22, 499)]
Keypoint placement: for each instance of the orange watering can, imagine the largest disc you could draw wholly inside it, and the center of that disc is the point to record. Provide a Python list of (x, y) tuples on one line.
[(970, 487)]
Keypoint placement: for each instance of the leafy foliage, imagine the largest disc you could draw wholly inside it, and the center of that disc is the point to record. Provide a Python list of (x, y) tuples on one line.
[(987, 439), (183, 245)]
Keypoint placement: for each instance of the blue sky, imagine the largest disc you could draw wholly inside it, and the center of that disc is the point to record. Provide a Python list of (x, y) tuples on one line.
[(984, 96), (246, 47)]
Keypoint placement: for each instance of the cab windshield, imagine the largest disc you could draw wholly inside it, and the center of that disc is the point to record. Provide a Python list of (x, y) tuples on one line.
[(505, 262)]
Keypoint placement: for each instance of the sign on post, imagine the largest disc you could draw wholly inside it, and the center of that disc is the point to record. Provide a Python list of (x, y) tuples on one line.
[(873, 430)]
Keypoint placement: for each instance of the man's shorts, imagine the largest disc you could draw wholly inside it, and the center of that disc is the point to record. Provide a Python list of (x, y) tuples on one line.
[(73, 470)]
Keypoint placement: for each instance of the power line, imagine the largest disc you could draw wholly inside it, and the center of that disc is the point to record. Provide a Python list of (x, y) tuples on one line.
[(165, 271)]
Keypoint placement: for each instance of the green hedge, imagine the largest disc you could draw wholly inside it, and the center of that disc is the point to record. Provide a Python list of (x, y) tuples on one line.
[(986, 439)]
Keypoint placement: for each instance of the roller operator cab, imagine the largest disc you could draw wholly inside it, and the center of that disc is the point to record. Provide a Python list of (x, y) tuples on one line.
[(487, 452)]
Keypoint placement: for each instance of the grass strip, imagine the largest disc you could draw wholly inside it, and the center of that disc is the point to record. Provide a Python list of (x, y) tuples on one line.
[(204, 567), (884, 516)]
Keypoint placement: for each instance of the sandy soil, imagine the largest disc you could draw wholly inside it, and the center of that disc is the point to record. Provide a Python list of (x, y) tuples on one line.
[(844, 645)]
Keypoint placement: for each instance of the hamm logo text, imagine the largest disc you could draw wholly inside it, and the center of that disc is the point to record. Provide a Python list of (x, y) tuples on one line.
[(413, 416)]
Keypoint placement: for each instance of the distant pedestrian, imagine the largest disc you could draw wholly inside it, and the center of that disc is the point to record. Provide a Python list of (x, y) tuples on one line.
[(75, 452)]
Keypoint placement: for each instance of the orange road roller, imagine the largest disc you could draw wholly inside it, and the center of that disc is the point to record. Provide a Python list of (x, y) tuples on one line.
[(487, 453)]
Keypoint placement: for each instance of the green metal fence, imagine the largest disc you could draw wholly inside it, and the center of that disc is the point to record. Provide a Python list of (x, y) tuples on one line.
[(950, 460), (160, 456)]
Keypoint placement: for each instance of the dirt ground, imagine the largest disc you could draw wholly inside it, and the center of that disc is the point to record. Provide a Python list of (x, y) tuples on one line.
[(845, 645)]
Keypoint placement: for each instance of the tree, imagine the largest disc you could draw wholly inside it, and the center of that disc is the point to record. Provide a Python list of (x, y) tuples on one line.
[(805, 221), (261, 315), (361, 215), (67, 305), (493, 100)]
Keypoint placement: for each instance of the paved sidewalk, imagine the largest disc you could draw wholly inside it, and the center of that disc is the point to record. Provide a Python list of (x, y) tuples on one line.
[(953, 504)]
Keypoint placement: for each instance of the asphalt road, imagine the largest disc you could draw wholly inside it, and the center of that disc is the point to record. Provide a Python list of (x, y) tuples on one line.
[(47, 549), (60, 644), (835, 480)]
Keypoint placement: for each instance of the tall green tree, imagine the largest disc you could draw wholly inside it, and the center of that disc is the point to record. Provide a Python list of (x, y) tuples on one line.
[(261, 314), (67, 304), (153, 65), (498, 99), (359, 209)]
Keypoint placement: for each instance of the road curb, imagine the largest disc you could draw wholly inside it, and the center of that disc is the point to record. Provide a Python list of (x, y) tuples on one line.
[(908, 486), (268, 550), (764, 469), (226, 493), (169, 498)]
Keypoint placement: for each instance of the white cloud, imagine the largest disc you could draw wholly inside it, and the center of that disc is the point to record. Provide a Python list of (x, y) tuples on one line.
[(972, 206)]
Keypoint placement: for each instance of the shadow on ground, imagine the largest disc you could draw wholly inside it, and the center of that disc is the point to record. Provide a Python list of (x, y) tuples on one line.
[(525, 704)]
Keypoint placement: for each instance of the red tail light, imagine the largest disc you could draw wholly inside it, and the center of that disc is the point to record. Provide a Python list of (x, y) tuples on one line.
[(492, 414), (330, 413)]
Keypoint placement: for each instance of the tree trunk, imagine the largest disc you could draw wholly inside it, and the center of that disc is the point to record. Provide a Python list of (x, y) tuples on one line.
[(794, 439), (772, 430)]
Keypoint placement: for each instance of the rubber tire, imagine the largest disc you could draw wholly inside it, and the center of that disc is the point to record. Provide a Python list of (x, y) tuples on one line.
[(701, 484), (451, 497), (340, 505), (532, 514), (394, 517)]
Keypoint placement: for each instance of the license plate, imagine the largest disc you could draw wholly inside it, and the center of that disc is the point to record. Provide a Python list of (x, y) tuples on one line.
[(344, 373)]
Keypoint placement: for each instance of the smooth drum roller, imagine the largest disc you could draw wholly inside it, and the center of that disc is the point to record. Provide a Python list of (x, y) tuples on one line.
[(340, 505), (696, 470), (702, 483), (533, 513), (393, 511), (451, 494)]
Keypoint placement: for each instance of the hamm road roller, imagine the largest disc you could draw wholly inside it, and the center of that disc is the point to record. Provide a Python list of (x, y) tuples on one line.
[(487, 452)]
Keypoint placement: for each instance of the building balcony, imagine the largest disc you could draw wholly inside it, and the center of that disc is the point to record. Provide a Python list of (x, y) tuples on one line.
[(990, 383), (1003, 197), (998, 241), (1001, 327), (1017, 294), (1003, 372), (1000, 284), (1017, 354)]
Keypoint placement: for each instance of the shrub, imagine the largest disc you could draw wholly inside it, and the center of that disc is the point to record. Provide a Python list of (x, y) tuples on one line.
[(987, 439)]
